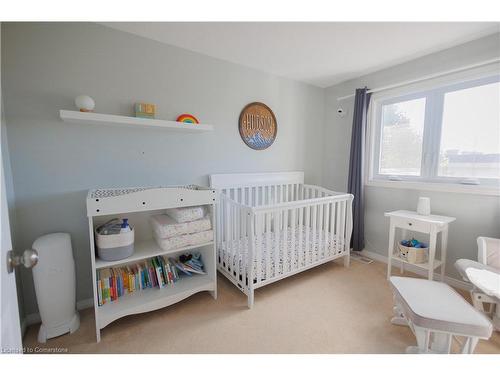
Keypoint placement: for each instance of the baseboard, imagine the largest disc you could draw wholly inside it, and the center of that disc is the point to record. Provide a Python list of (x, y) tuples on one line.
[(34, 318), (460, 284)]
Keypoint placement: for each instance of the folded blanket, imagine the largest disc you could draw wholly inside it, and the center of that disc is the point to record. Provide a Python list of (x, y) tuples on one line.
[(185, 240), (165, 227), (185, 214)]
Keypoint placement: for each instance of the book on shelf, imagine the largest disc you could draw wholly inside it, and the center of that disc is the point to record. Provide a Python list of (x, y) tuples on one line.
[(157, 272)]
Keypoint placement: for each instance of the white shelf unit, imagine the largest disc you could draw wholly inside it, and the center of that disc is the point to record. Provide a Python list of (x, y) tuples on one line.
[(138, 204), (91, 118)]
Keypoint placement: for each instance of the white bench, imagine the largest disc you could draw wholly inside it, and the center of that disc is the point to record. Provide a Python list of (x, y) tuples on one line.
[(436, 313)]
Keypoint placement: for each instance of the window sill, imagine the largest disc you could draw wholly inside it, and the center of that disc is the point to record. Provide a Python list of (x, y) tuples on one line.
[(434, 186)]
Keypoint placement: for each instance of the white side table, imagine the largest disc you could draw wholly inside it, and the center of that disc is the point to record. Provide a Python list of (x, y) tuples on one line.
[(432, 225)]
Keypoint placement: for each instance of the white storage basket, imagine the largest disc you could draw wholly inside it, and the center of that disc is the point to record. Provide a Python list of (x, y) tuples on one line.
[(413, 255), (113, 247)]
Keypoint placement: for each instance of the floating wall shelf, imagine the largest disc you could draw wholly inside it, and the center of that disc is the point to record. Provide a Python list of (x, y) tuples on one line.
[(138, 122)]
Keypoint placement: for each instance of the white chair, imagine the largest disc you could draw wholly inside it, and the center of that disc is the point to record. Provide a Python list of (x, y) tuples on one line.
[(488, 257)]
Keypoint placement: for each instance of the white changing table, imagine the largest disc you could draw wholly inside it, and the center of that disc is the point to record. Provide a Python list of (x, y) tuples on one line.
[(138, 205), (432, 225)]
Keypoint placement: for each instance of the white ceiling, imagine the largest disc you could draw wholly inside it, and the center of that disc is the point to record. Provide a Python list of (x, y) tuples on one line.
[(322, 54)]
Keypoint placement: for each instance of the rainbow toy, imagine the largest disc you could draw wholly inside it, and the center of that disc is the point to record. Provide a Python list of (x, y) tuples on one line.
[(187, 118)]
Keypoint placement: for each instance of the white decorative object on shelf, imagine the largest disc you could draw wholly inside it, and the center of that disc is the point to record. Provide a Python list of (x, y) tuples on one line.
[(84, 103), (138, 205), (89, 118), (424, 206)]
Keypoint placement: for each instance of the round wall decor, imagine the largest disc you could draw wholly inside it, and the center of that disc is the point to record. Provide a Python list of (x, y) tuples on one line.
[(257, 126)]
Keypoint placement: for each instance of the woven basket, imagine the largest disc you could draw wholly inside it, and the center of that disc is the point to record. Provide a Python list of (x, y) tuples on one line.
[(413, 255)]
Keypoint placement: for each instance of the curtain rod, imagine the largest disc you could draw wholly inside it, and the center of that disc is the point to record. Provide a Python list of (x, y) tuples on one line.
[(425, 78)]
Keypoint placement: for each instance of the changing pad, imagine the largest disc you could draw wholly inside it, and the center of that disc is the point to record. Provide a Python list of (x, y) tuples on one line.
[(165, 227), (185, 240), (185, 214)]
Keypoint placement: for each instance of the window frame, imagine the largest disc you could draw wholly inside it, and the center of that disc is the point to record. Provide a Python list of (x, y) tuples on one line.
[(431, 142)]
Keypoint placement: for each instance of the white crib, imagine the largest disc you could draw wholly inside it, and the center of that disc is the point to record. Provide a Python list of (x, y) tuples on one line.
[(271, 226)]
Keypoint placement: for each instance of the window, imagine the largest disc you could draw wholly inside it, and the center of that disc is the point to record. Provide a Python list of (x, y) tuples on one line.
[(450, 134), (402, 138)]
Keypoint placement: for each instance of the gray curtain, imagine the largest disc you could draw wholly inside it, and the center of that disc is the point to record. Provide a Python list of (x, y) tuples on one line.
[(355, 182)]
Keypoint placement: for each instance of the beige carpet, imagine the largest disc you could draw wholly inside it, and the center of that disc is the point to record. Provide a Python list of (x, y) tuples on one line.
[(329, 309)]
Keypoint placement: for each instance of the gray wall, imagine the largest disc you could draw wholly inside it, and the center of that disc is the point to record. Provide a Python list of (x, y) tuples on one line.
[(44, 66), (476, 215)]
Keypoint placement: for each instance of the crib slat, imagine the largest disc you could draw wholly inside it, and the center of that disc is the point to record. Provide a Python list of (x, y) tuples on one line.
[(337, 231), (234, 245), (321, 229), (245, 255), (236, 237), (308, 230), (277, 234), (230, 245), (268, 245), (321, 223), (285, 241), (293, 227), (258, 247), (241, 254), (332, 229), (342, 226), (314, 230), (325, 230), (218, 224), (220, 228), (300, 250), (224, 233)]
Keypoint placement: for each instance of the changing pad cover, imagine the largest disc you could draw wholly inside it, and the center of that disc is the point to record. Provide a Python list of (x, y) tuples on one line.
[(185, 240), (165, 227), (185, 214)]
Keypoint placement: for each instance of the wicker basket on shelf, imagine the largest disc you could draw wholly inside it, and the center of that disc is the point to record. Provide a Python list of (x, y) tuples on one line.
[(413, 255)]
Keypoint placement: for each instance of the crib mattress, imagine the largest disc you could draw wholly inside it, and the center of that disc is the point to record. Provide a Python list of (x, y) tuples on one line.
[(231, 253)]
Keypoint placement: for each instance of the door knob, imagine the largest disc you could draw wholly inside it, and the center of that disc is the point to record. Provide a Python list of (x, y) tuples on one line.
[(29, 259)]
